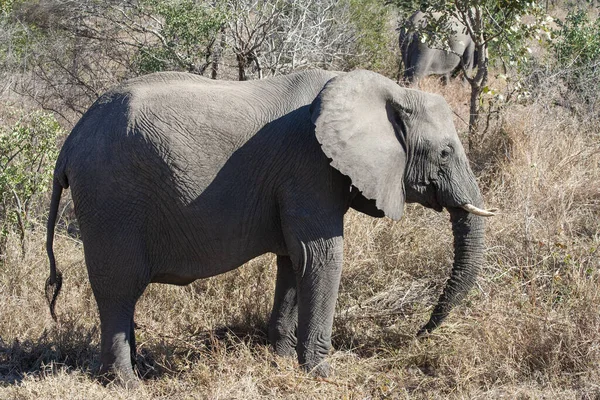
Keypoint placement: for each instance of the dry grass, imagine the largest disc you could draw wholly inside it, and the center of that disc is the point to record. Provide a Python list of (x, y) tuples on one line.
[(530, 330)]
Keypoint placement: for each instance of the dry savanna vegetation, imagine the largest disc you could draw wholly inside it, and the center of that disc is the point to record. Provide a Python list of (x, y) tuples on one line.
[(530, 329)]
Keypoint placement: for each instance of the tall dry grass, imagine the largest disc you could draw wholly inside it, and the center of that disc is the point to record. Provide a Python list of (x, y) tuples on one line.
[(530, 329)]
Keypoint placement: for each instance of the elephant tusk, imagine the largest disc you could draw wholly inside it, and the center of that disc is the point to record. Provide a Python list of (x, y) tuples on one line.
[(478, 211)]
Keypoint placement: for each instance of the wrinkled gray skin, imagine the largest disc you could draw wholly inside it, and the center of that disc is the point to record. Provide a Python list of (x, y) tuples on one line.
[(420, 60), (176, 178)]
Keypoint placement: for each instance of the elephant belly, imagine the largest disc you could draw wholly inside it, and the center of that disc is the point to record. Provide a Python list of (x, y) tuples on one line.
[(181, 269), (211, 245), (178, 244), (172, 279)]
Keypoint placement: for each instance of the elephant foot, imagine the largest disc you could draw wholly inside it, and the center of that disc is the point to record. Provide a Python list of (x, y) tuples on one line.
[(125, 379), (283, 341), (319, 369), (284, 350), (314, 363), (130, 383), (284, 346)]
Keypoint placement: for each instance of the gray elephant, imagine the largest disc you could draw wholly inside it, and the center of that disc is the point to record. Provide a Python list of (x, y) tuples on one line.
[(420, 60), (176, 177)]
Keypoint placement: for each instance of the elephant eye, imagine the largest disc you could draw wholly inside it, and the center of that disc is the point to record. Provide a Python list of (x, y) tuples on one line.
[(446, 152)]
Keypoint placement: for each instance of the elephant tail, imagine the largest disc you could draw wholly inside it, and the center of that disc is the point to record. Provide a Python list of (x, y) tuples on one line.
[(54, 282)]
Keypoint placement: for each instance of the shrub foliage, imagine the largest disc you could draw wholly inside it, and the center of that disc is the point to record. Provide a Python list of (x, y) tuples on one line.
[(28, 150)]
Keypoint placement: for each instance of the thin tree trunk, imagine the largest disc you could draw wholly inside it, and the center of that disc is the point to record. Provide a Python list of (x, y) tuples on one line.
[(258, 67), (218, 55), (473, 113), (241, 67), (478, 83), (479, 80)]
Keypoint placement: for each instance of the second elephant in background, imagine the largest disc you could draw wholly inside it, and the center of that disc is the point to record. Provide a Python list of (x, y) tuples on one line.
[(420, 60)]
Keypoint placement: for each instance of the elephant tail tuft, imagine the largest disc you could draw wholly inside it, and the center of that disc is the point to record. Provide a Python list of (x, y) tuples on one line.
[(53, 287), (54, 282)]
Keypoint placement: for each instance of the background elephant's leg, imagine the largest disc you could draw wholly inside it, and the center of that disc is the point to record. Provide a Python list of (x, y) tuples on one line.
[(412, 62), (409, 70), (470, 57), (284, 317), (468, 61), (318, 283)]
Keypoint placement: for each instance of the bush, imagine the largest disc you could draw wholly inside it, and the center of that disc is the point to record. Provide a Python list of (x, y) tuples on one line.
[(27, 154), (376, 43), (576, 51), (186, 36)]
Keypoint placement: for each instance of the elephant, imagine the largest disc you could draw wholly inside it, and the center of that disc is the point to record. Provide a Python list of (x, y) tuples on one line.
[(176, 177), (420, 60)]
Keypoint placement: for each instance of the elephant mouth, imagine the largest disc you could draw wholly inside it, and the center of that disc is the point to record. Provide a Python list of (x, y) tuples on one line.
[(467, 206), (435, 201), (425, 194), (430, 196), (435, 205)]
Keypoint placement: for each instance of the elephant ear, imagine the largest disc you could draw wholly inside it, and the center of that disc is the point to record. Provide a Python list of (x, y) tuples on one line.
[(360, 121)]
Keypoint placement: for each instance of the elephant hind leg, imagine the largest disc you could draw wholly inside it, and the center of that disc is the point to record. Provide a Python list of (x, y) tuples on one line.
[(117, 342), (284, 317), (118, 274)]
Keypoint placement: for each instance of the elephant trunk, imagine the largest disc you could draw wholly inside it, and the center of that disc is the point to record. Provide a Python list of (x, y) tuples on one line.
[(468, 232)]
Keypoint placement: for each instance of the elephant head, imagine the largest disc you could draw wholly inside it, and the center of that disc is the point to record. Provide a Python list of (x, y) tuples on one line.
[(399, 145)]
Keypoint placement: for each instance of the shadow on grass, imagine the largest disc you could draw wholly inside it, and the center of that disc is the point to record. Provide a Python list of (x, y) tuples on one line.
[(165, 355), (72, 346), (68, 346)]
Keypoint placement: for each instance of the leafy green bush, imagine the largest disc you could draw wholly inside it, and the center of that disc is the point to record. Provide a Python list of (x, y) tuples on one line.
[(576, 50), (27, 154), (375, 42), (577, 41), (186, 33), (6, 6)]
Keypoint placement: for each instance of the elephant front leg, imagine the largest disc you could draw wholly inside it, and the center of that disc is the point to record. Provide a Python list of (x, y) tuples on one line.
[(284, 317), (318, 284)]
